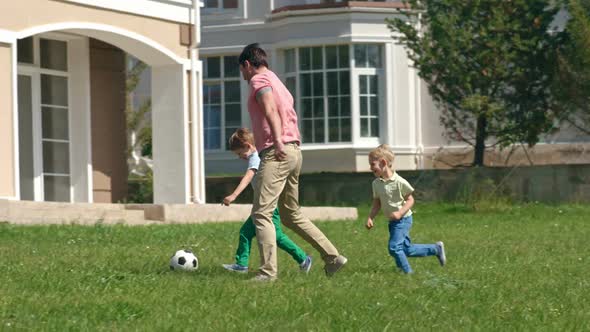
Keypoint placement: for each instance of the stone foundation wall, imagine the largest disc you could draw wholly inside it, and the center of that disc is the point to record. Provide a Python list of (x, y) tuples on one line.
[(548, 184)]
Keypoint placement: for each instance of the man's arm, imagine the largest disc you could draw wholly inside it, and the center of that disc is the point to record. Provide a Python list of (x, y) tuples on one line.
[(243, 184), (265, 99)]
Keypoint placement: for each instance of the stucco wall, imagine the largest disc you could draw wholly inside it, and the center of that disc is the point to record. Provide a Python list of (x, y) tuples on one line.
[(6, 124), (25, 14), (109, 142)]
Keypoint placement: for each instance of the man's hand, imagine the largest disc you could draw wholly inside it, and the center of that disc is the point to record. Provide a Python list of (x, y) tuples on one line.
[(397, 215), (280, 151), (369, 224), (229, 199)]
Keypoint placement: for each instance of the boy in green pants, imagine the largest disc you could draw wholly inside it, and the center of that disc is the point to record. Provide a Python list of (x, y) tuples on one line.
[(242, 144)]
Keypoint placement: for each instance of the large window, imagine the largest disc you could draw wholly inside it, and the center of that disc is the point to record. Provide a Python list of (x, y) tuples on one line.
[(369, 105), (221, 100), (320, 79), (323, 74), (368, 62), (218, 5), (44, 125)]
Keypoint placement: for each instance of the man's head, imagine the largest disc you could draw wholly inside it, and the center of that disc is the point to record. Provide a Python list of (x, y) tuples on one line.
[(380, 159), (251, 59), (241, 142)]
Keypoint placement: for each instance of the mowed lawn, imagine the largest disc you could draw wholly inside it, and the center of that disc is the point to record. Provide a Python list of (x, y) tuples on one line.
[(509, 268)]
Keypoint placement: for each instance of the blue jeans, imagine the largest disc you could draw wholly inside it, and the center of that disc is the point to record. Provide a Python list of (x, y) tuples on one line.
[(401, 247)]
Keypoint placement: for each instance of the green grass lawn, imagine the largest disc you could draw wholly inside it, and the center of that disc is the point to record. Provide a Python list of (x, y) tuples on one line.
[(512, 268)]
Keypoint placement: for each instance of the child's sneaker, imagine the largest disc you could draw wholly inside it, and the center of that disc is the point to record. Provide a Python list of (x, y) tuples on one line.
[(442, 258), (236, 268), (306, 265)]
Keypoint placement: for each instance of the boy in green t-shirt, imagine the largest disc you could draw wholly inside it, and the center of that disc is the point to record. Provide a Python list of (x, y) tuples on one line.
[(393, 195)]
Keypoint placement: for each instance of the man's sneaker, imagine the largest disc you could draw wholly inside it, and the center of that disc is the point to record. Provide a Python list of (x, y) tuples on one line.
[(306, 265), (263, 278), (335, 266), (442, 258), (236, 268)]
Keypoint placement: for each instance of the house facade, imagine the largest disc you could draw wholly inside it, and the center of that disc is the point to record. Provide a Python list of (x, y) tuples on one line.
[(353, 85), (62, 98), (354, 88), (62, 93)]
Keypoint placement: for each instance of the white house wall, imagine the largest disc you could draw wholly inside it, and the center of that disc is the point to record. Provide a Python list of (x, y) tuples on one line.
[(401, 126)]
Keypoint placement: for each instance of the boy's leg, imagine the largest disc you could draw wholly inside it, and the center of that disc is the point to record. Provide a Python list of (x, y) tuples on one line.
[(291, 214), (285, 243), (417, 250), (398, 241), (247, 232)]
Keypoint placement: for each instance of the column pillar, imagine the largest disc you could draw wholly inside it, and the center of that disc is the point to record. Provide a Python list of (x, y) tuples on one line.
[(170, 141), (8, 123)]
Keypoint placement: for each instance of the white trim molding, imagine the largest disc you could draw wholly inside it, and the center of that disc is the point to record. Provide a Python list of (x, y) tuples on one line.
[(15, 138), (7, 36)]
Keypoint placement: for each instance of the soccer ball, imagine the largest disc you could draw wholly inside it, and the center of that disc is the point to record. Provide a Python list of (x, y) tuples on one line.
[(184, 260)]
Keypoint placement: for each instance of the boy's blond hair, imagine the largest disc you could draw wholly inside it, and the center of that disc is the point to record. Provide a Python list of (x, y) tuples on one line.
[(383, 152), (240, 138)]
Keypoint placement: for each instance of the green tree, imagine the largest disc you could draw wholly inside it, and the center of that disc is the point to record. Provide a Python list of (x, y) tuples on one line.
[(488, 66), (139, 130), (572, 85)]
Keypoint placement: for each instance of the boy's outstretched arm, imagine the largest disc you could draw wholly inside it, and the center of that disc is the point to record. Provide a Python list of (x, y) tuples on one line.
[(397, 215), (375, 207), (243, 184)]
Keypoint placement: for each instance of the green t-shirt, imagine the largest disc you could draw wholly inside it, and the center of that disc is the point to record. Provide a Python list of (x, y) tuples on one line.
[(391, 193)]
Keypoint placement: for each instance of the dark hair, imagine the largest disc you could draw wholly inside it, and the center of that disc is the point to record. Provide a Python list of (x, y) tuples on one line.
[(239, 139), (253, 54)]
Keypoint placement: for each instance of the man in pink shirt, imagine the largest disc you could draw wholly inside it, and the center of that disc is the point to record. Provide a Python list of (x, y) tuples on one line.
[(277, 138)]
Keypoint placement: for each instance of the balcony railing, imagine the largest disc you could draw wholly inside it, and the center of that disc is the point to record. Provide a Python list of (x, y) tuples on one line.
[(389, 4)]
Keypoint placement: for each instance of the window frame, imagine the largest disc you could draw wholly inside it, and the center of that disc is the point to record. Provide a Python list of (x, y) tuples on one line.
[(220, 13)]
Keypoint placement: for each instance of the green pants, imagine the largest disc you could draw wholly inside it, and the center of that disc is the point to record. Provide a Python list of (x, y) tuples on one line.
[(248, 232)]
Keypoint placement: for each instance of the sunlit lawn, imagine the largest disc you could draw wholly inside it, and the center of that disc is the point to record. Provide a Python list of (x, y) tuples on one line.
[(512, 268)]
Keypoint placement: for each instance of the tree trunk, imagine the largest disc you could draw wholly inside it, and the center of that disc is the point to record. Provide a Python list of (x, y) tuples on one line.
[(480, 140)]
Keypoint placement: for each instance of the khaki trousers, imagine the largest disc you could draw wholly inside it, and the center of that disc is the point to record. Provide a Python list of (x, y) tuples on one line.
[(278, 182)]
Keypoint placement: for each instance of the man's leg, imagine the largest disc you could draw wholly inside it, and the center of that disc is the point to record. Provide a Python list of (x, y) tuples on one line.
[(270, 182), (291, 214), (285, 243)]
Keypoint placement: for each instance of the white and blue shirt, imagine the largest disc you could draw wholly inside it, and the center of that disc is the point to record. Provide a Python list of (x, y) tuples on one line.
[(254, 163)]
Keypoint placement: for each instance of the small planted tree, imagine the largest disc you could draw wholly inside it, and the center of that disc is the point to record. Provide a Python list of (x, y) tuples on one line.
[(488, 66)]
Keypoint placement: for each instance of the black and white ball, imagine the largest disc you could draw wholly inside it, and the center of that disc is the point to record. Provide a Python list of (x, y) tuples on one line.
[(184, 260)]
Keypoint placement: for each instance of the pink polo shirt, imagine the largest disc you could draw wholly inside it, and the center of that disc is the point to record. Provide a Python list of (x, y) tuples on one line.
[(284, 101)]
